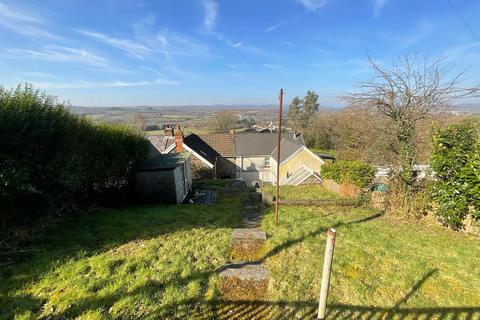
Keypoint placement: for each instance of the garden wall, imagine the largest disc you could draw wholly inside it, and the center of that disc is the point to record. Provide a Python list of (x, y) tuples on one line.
[(343, 189)]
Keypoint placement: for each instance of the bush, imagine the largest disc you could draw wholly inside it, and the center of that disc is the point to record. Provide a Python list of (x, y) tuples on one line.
[(355, 172), (456, 162), (50, 159)]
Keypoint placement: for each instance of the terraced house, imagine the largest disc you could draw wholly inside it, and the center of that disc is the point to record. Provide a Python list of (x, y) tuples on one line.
[(251, 157)]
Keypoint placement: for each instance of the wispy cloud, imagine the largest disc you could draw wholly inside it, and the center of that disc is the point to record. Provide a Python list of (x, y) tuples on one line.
[(378, 6), (274, 27), (165, 42), (60, 54), (22, 23), (272, 66), (211, 12), (312, 5), (242, 46), (111, 84), (131, 47), (151, 70)]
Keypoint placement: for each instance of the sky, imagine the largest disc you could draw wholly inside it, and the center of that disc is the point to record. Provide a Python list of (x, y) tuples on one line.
[(199, 52)]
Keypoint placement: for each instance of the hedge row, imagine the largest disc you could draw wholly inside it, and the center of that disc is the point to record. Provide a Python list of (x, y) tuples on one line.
[(355, 172), (50, 158), (456, 163)]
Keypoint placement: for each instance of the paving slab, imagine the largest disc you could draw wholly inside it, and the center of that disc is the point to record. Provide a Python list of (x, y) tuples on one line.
[(244, 281), (248, 244)]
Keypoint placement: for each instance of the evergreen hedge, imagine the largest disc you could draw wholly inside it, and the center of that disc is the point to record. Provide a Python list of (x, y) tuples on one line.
[(355, 172), (456, 162), (51, 159)]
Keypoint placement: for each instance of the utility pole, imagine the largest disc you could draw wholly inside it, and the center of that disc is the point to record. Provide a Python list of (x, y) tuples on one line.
[(278, 155)]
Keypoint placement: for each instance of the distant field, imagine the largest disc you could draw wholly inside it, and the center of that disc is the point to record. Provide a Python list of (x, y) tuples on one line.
[(186, 131)]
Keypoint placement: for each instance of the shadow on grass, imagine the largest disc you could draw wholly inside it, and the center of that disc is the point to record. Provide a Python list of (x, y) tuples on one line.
[(308, 310), (202, 277), (84, 235), (198, 308)]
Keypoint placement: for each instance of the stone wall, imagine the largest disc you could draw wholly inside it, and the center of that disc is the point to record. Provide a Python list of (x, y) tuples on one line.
[(472, 226), (225, 168), (200, 170)]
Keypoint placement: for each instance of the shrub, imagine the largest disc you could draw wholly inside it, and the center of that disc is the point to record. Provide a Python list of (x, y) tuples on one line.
[(456, 162), (51, 158), (356, 172)]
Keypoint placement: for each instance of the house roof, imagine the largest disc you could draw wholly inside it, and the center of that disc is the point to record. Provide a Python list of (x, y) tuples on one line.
[(161, 143), (223, 143), (201, 147), (261, 144), (326, 156), (164, 161), (287, 148)]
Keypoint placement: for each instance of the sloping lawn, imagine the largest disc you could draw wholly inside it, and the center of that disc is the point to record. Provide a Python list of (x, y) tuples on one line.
[(303, 192), (141, 262), (161, 262), (382, 269)]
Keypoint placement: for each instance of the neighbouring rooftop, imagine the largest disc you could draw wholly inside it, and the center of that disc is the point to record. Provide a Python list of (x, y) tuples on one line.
[(164, 161)]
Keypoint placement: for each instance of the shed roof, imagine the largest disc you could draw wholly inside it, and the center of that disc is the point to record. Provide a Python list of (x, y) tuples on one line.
[(164, 161), (326, 156)]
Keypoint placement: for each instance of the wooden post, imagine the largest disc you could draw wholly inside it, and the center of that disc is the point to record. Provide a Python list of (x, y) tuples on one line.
[(278, 156), (327, 268)]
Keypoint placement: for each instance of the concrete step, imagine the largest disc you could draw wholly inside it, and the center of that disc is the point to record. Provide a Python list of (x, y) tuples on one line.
[(253, 208), (248, 244), (244, 281), (254, 197)]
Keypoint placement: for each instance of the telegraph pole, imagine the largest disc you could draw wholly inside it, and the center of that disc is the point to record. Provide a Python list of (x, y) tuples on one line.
[(278, 155)]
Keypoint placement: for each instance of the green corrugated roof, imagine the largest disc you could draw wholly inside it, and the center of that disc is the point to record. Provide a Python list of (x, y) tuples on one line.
[(164, 161)]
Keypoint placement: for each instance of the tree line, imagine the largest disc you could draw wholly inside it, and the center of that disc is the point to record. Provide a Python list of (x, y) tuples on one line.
[(389, 120)]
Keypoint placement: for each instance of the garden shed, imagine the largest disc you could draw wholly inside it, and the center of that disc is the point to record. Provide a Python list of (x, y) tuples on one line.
[(166, 178)]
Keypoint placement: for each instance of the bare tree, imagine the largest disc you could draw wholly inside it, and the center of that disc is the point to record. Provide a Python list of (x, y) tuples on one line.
[(406, 93)]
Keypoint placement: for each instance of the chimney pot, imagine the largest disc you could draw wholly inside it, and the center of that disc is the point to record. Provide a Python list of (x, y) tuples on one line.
[(232, 131), (168, 131)]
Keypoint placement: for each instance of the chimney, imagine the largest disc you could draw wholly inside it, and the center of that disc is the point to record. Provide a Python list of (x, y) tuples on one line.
[(232, 131), (168, 131), (178, 140)]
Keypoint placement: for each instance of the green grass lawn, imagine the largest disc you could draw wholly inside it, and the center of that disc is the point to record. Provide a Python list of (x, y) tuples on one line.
[(161, 262), (382, 268), (156, 261), (303, 192)]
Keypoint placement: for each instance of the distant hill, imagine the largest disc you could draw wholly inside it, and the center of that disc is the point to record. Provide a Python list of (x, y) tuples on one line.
[(469, 108), (82, 109)]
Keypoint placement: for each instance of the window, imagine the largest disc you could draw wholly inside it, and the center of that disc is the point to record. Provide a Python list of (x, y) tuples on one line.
[(267, 161)]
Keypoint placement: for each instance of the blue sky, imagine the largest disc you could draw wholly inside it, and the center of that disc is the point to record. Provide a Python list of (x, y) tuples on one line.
[(114, 52)]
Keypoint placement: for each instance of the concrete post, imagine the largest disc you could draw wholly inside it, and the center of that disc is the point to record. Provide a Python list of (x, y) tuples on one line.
[(327, 268)]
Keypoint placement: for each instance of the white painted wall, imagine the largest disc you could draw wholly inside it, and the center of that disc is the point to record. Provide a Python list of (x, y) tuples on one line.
[(252, 169)]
